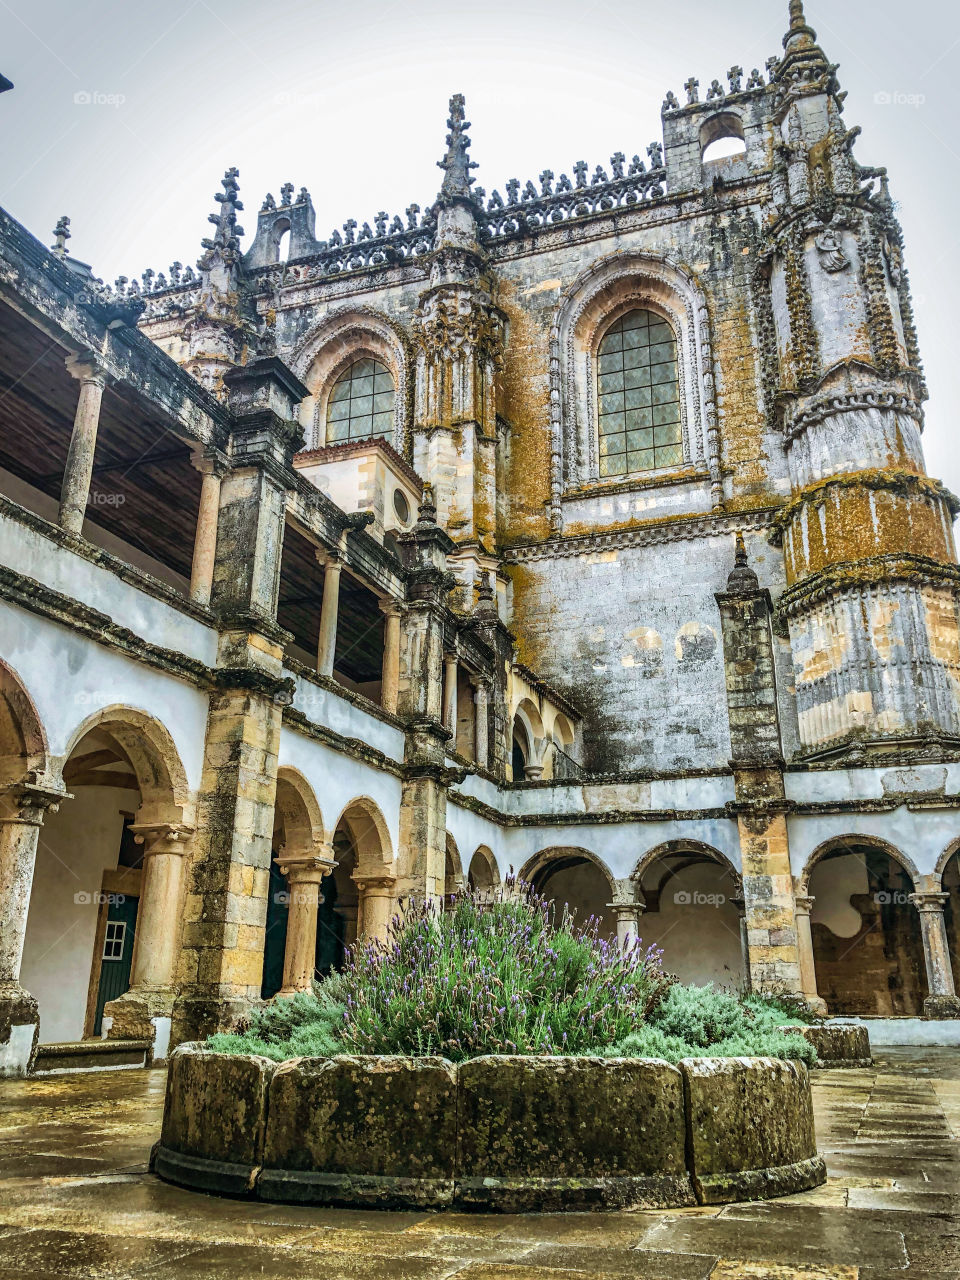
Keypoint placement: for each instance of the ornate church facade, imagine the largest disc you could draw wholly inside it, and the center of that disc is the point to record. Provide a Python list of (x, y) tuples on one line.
[(579, 530)]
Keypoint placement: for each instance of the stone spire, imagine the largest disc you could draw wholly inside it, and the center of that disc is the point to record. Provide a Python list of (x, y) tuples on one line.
[(455, 209), (219, 263), (62, 234), (804, 66), (219, 330), (742, 579), (456, 164), (800, 34)]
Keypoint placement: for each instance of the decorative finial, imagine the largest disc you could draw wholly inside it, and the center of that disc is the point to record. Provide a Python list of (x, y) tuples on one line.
[(742, 579), (227, 235), (486, 602), (427, 511), (62, 233), (456, 164), (801, 35)]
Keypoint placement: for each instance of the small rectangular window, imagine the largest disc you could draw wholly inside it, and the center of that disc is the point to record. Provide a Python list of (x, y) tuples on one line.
[(114, 939)]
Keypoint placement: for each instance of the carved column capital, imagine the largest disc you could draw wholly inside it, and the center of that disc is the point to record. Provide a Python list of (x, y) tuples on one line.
[(209, 462), (162, 837), (930, 901), (26, 803), (87, 368), (307, 866)]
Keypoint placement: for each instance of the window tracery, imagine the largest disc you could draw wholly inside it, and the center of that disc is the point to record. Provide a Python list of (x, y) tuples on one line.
[(362, 402), (638, 396)]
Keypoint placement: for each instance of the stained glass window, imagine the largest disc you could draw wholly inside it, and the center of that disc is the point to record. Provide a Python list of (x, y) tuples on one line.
[(638, 396), (361, 403)]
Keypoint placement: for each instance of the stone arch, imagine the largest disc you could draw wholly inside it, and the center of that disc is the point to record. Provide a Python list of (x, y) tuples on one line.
[(529, 732), (562, 731), (681, 846), (153, 755), (947, 881), (577, 877), (347, 334), (24, 752), (615, 284), (865, 929), (830, 845), (535, 864), (453, 878), (483, 874), (110, 867), (369, 836), (943, 861), (298, 811), (367, 854), (690, 896), (719, 127)]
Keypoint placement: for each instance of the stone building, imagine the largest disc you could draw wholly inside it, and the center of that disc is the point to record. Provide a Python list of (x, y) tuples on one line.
[(580, 529)]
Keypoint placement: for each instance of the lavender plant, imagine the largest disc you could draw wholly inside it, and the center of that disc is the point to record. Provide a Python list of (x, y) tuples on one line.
[(501, 977), (511, 976)]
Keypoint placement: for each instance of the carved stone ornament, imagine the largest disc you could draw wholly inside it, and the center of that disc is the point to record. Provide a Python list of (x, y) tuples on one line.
[(894, 261), (455, 322), (832, 256)]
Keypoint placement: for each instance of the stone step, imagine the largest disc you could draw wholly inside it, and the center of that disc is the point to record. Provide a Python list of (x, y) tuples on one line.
[(92, 1055)]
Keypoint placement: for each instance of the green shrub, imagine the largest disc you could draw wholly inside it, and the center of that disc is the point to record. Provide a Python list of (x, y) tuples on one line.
[(308, 1024), (511, 977), (691, 1022)]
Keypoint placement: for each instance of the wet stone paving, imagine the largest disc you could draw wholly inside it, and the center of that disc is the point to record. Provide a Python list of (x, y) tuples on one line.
[(77, 1200)]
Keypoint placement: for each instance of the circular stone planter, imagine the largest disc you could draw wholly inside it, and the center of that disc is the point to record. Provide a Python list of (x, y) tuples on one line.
[(511, 1134), (839, 1044)]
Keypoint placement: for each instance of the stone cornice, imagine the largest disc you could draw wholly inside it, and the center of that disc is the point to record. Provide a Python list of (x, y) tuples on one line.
[(353, 747), (907, 483), (53, 605), (352, 448), (861, 575), (303, 672), (649, 533), (56, 293)]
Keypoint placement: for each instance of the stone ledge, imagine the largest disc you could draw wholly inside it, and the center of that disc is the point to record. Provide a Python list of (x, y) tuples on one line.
[(839, 1045), (507, 1134)]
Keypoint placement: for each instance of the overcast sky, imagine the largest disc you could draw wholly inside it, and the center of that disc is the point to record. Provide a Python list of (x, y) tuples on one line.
[(126, 113)]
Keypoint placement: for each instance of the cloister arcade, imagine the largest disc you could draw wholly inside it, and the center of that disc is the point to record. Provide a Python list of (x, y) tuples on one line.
[(114, 813)]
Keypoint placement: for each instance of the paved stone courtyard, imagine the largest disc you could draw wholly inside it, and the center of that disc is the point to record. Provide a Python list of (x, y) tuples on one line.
[(76, 1200)]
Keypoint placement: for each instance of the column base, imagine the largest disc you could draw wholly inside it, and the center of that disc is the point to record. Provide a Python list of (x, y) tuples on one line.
[(19, 1030), (142, 1014), (941, 1007), (817, 1004), (196, 1017)]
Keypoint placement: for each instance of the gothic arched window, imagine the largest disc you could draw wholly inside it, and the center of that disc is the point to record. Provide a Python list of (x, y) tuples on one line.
[(638, 396), (361, 402)]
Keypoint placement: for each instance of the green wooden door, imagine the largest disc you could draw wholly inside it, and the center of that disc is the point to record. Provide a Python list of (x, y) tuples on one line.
[(117, 952), (275, 942)]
